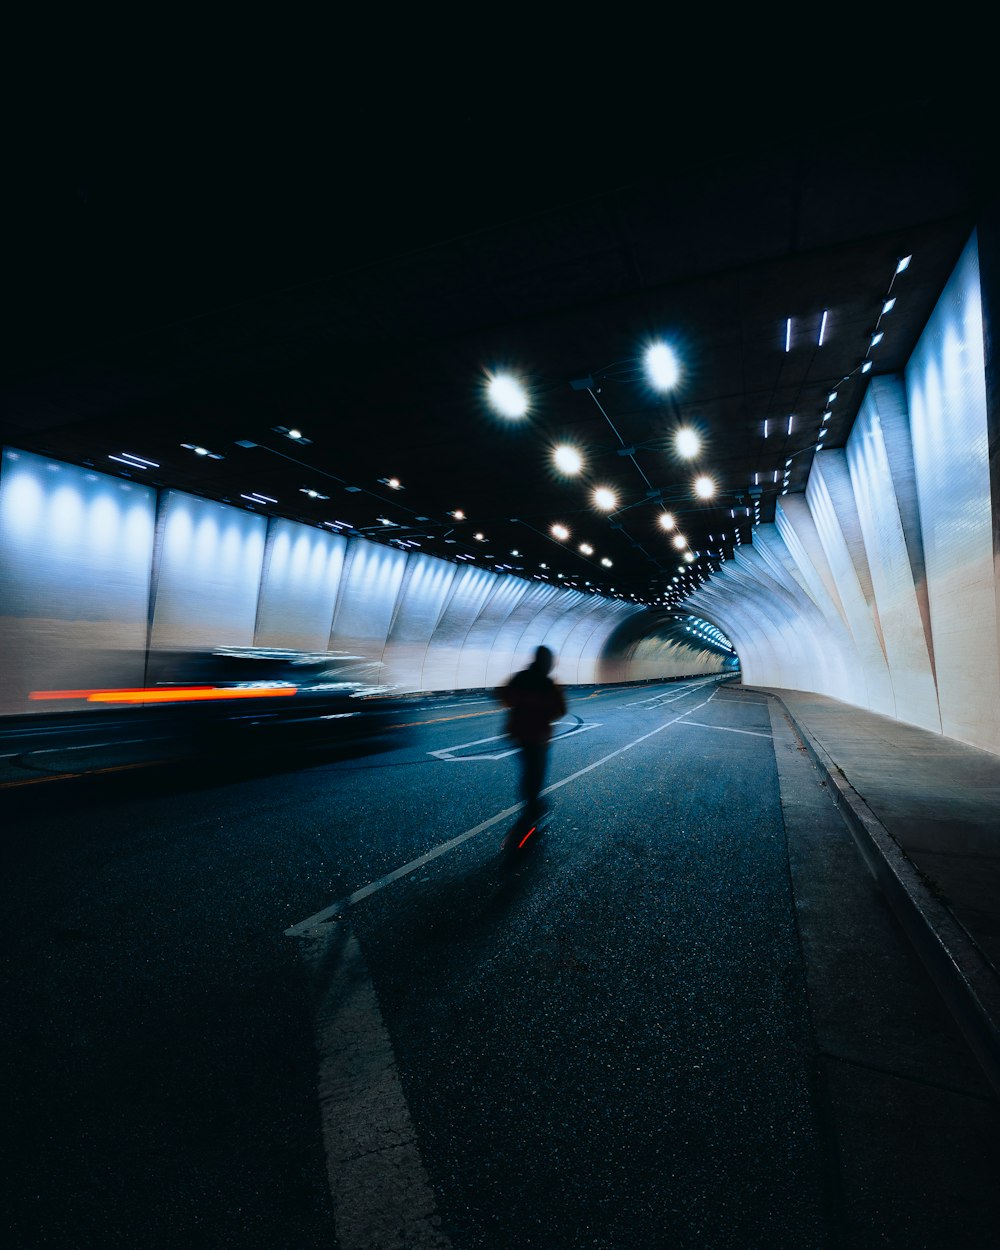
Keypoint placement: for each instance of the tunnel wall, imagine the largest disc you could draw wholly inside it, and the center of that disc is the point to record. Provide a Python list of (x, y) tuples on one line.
[(99, 575), (880, 585)]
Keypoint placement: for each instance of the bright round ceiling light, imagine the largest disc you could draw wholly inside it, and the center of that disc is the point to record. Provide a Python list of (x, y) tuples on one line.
[(687, 444), (605, 499), (567, 459), (679, 541), (666, 520), (704, 487), (559, 531), (507, 396), (662, 367)]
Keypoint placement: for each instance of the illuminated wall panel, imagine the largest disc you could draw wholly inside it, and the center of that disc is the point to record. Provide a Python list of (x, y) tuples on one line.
[(369, 592), (302, 573), (946, 396), (585, 640), (719, 602), (533, 622), (824, 661), (831, 502), (881, 517), (75, 551), (422, 596), (207, 574), (795, 525), (489, 629), (448, 665)]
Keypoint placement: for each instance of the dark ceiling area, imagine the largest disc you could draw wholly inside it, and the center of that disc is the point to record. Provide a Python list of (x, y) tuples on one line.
[(198, 297)]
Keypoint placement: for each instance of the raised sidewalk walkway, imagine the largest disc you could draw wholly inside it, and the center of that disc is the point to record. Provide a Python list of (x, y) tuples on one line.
[(925, 813)]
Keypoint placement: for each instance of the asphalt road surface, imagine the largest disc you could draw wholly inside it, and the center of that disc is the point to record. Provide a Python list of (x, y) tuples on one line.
[(288, 993)]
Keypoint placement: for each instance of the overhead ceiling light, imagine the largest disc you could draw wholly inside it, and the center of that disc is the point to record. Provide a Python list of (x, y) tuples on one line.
[(866, 367), (687, 443), (458, 514), (586, 549), (133, 462), (790, 420), (877, 338), (392, 482), (507, 396), (704, 487), (904, 263), (559, 531), (822, 329), (313, 494), (605, 499), (888, 306), (679, 541), (788, 334), (295, 435), (567, 459), (662, 368), (202, 451), (666, 520), (607, 564), (831, 397)]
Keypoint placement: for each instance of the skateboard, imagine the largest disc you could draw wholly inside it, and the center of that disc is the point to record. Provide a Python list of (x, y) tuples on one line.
[(524, 831)]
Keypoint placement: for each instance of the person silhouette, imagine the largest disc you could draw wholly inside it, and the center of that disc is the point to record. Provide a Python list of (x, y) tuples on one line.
[(533, 701)]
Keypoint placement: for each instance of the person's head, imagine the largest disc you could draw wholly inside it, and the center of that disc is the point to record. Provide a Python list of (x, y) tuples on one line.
[(543, 660)]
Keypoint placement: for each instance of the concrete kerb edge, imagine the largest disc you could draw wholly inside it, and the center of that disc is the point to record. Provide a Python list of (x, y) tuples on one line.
[(959, 970)]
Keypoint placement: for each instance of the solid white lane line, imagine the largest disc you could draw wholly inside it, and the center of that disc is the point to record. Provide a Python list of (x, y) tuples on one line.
[(92, 746), (756, 733), (300, 929), (382, 1195), (445, 753), (297, 930)]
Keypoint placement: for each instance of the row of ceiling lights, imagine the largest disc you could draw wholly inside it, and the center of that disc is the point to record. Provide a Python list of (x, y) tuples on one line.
[(508, 397)]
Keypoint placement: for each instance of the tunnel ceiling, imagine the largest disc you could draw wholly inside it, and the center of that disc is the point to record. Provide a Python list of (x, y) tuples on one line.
[(199, 289)]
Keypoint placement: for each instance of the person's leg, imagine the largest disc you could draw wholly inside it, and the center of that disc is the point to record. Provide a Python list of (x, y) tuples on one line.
[(532, 775)]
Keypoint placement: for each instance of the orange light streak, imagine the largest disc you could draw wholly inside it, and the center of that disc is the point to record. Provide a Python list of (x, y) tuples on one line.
[(166, 694)]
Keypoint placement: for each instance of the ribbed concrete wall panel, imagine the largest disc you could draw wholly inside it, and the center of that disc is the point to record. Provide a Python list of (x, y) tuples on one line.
[(716, 603), (75, 554), (812, 660), (367, 601), (829, 671), (797, 527), (888, 558), (768, 615), (490, 628), (536, 620), (794, 523), (206, 579), (895, 424), (446, 664), (946, 396), (654, 658), (588, 631), (831, 502), (303, 567), (420, 603), (742, 619)]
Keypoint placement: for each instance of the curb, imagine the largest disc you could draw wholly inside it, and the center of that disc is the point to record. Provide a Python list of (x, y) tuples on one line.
[(959, 970)]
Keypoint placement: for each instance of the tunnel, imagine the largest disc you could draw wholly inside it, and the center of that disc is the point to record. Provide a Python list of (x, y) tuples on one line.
[(877, 584)]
